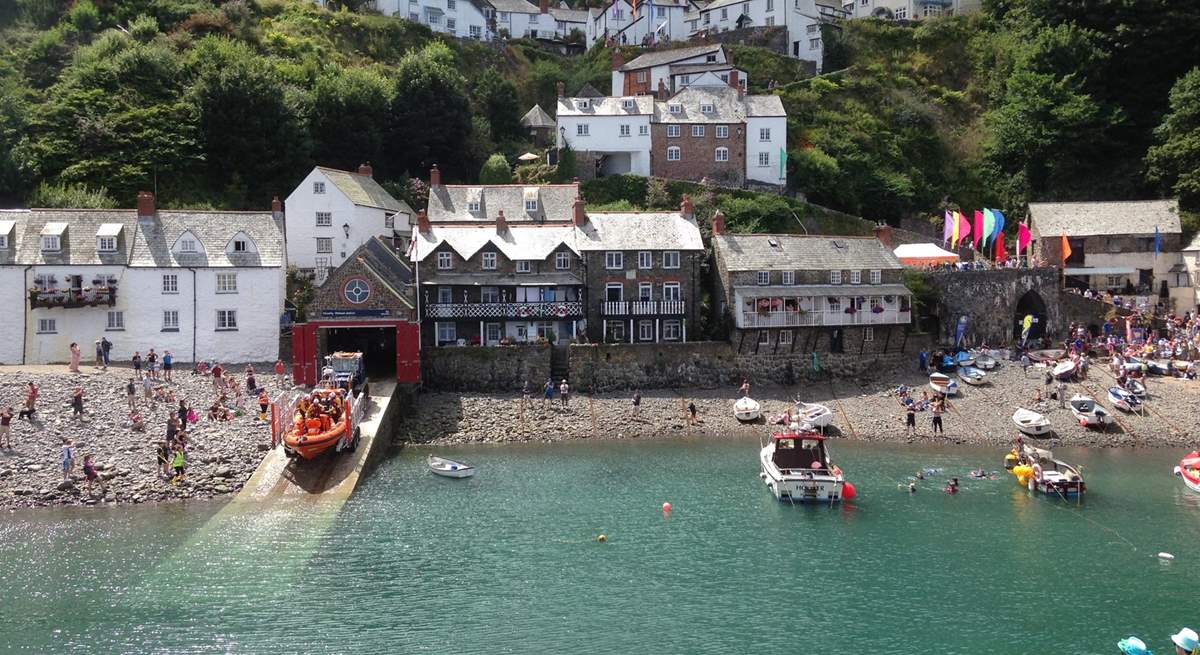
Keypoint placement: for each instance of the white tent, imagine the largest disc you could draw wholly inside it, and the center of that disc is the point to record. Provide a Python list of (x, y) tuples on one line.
[(923, 254)]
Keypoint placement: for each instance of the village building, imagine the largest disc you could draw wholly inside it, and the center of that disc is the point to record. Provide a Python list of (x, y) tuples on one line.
[(503, 264), (203, 284), (1130, 248), (333, 212), (906, 10), (787, 292), (1190, 276), (466, 19), (612, 134), (367, 304), (665, 72), (801, 18), (518, 19), (621, 23), (540, 125)]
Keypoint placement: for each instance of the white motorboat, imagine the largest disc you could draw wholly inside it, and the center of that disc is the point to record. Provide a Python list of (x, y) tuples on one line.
[(972, 375), (1037, 470), (448, 468), (1136, 387), (1189, 470), (1124, 400), (1030, 422), (985, 361), (796, 467), (943, 384), (747, 409), (1065, 369), (1088, 412), (817, 416)]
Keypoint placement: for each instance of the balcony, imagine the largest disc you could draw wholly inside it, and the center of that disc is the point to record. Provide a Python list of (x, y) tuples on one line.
[(791, 318), (72, 298), (506, 310), (643, 308)]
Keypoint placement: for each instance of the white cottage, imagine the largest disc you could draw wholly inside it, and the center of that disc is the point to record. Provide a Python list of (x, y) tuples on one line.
[(332, 212), (201, 284)]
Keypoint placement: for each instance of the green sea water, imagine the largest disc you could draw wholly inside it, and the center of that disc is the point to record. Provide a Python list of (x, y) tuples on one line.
[(508, 561)]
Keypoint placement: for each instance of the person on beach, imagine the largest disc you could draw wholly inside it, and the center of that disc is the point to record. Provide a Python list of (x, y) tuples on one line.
[(547, 393), (1062, 395), (939, 406), (68, 458), (251, 383), (1025, 364), (525, 391), (178, 463), (564, 393), (105, 351), (910, 419), (91, 475), (30, 402), (168, 363), (279, 373), (6, 418), (218, 377), (99, 354), (264, 401), (136, 360), (182, 413), (1186, 641), (152, 363), (637, 403), (172, 428), (148, 388), (744, 390), (75, 356), (692, 420), (923, 361), (164, 459), (77, 403), (131, 394)]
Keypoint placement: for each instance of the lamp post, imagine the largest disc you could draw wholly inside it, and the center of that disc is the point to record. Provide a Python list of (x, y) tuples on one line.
[(346, 229)]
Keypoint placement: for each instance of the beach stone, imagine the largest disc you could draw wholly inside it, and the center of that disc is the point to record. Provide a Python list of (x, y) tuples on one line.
[(23, 491), (35, 467), (65, 485)]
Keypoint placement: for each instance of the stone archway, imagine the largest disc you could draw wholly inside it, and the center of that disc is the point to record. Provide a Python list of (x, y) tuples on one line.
[(1030, 304)]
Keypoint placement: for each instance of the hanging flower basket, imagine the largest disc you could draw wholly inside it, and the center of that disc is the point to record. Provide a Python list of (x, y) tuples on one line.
[(851, 310), (876, 309)]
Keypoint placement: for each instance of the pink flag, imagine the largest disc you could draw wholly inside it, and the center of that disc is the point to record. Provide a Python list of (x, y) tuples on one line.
[(947, 228), (1024, 236), (978, 227), (964, 227), (1001, 253)]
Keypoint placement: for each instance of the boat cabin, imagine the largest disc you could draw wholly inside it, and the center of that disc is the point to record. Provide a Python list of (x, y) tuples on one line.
[(799, 450)]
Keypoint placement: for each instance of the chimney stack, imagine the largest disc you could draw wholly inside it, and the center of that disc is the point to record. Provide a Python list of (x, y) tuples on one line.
[(501, 224), (733, 80), (544, 6), (145, 204), (662, 90), (686, 208), (365, 169), (423, 221), (435, 177), (883, 232), (618, 59), (718, 223), (561, 88), (276, 208), (580, 217)]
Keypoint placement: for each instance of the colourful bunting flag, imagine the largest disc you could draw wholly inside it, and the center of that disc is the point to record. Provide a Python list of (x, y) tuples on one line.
[(947, 228), (999, 222), (1066, 249), (1001, 253), (1157, 242), (1024, 237), (978, 227), (989, 224), (953, 218), (964, 227)]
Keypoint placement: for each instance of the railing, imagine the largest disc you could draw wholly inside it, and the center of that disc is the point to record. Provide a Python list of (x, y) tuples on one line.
[(69, 298), (785, 318), (643, 307), (513, 310)]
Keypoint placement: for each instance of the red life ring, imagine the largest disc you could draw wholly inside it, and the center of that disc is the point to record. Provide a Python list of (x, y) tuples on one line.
[(561, 311)]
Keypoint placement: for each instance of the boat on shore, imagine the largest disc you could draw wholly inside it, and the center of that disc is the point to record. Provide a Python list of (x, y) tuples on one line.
[(964, 358), (1036, 469), (1088, 412), (1048, 356), (1135, 387), (1030, 422), (747, 409), (795, 466), (972, 375), (448, 468), (1189, 470), (943, 384), (985, 361), (812, 414), (1066, 369), (1124, 400)]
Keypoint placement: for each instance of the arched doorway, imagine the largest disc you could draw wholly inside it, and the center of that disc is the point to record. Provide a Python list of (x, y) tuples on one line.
[(1030, 304)]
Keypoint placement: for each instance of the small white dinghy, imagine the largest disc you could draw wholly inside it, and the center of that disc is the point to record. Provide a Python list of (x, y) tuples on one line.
[(985, 361), (943, 384), (448, 468), (1065, 369), (817, 416), (1030, 422), (1088, 412), (747, 409), (972, 375), (1124, 400), (1136, 387)]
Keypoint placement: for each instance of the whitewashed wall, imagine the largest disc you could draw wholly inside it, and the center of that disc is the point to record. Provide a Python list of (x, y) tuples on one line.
[(778, 126), (12, 321), (604, 135), (302, 230)]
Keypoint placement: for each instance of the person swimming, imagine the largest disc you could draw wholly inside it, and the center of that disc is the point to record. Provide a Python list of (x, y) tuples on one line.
[(952, 486)]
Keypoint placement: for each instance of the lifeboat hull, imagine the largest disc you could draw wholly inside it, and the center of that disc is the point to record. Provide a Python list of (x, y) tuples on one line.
[(310, 446)]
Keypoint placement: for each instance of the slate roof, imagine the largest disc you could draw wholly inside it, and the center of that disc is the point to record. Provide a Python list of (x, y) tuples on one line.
[(614, 106), (727, 106), (569, 15), (533, 242), (383, 262), (685, 69), (755, 252), (363, 190), (448, 203), (589, 91), (663, 57), (1195, 244), (717, 4), (515, 6), (537, 117), (144, 242), (1095, 218), (638, 231)]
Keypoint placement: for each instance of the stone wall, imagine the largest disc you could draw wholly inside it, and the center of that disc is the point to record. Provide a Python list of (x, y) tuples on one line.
[(771, 38), (1088, 312), (697, 153), (990, 298), (707, 365), (493, 368)]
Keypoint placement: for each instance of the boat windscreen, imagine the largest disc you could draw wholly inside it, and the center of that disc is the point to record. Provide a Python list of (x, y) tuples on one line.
[(791, 457), (345, 365)]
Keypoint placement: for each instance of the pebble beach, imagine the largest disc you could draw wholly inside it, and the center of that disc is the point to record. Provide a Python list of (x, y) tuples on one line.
[(222, 455), (864, 409)]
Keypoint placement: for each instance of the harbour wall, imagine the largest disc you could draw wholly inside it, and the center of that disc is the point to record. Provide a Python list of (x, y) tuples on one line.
[(492, 368)]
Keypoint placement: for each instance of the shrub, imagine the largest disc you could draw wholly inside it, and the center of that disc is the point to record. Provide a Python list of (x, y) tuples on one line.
[(495, 171)]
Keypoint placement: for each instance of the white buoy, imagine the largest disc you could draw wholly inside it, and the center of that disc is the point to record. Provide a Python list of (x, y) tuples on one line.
[(1165, 556)]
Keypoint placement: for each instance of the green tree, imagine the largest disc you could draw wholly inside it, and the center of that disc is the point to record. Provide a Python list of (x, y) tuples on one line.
[(72, 196), (350, 117), (430, 114), (1174, 163), (495, 171), (496, 99), (568, 166)]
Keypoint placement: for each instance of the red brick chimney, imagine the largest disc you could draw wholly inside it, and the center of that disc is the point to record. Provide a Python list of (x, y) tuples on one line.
[(544, 6), (733, 79), (579, 217), (145, 204), (435, 177), (686, 207), (501, 224), (883, 232), (718, 223), (618, 59), (365, 169), (423, 221), (561, 88), (662, 90), (276, 208)]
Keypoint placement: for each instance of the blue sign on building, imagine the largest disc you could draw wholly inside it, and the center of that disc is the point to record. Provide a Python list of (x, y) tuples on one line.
[(355, 313)]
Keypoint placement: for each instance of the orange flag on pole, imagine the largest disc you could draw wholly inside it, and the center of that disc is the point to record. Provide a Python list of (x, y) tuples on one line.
[(1066, 249)]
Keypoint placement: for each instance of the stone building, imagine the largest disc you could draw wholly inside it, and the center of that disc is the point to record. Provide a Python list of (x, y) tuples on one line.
[(815, 293), (1113, 246)]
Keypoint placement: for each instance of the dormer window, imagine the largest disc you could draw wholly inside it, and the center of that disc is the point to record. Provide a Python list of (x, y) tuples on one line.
[(627, 104), (707, 109), (473, 206), (187, 245), (675, 109), (474, 200), (531, 205), (582, 103), (531, 200), (712, 59), (3, 240), (51, 243), (239, 245), (106, 244)]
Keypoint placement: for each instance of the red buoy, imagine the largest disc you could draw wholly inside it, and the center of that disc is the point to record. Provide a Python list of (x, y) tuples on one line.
[(849, 492)]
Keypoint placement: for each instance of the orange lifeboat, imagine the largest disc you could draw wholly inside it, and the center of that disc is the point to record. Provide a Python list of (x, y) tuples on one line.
[(309, 436)]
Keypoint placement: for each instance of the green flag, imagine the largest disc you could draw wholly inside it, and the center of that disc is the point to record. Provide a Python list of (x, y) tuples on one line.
[(783, 164), (816, 363)]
